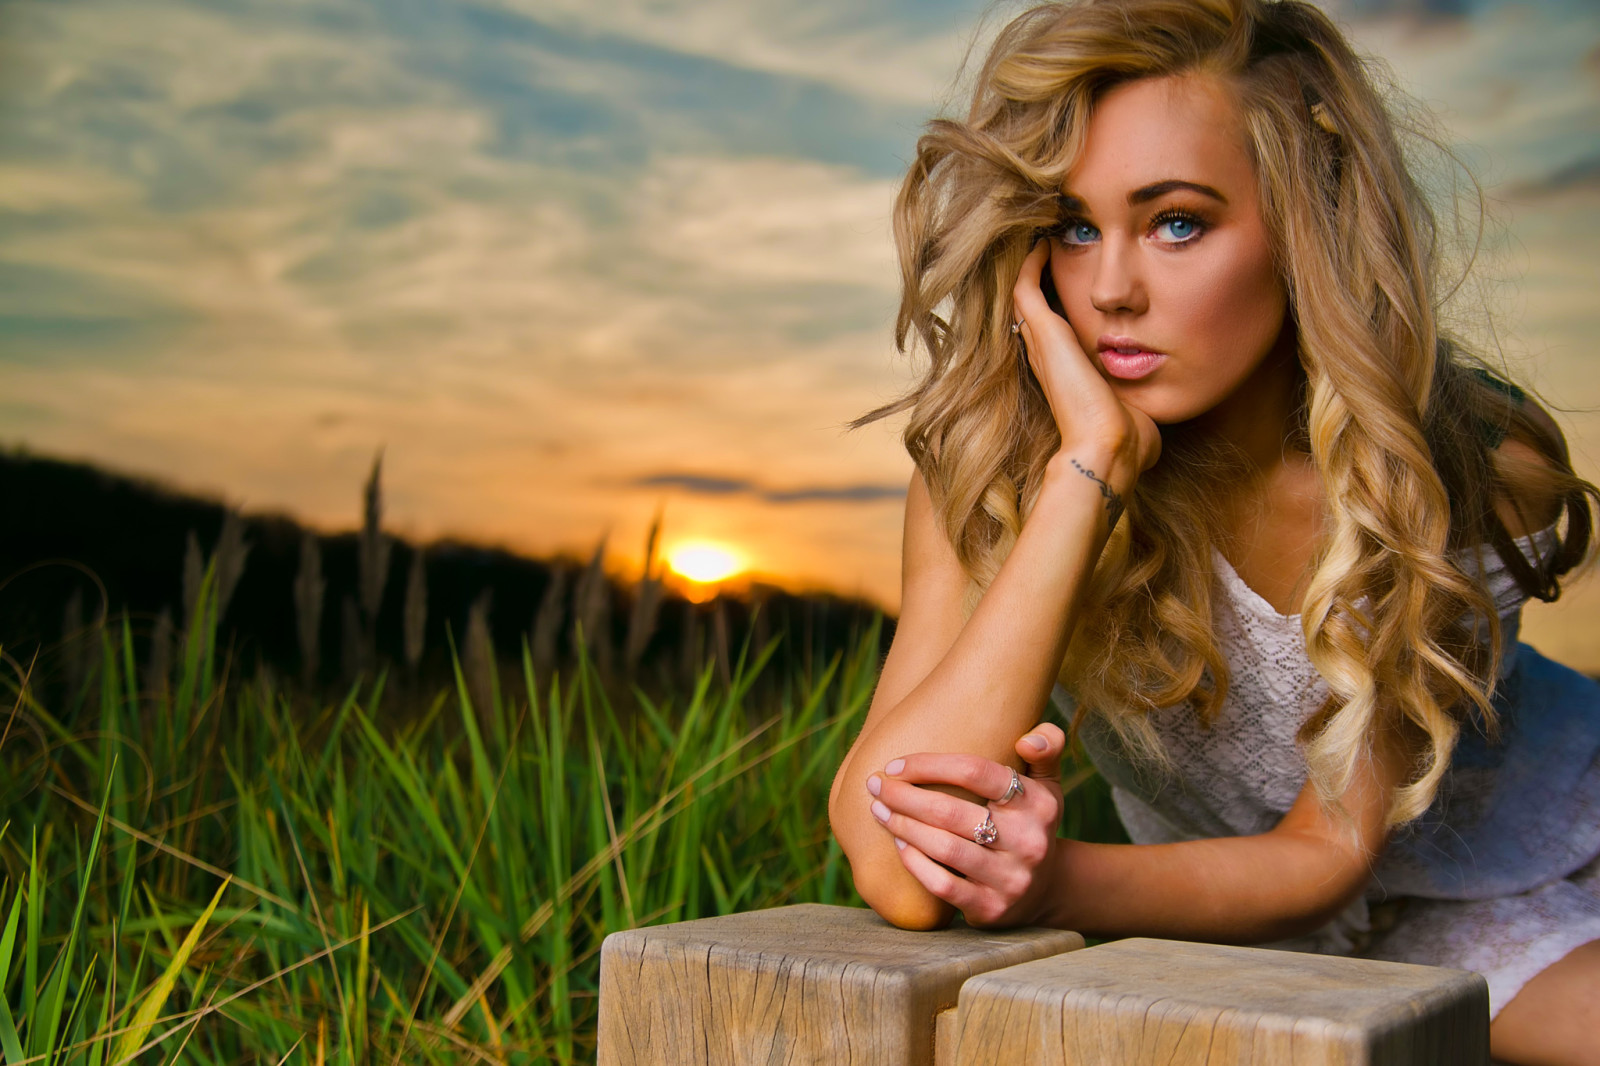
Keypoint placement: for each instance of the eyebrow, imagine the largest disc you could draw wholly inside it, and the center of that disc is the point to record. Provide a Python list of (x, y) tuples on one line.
[(1161, 188), (1154, 191)]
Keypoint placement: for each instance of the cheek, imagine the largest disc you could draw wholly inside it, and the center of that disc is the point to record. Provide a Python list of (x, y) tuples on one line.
[(1239, 303)]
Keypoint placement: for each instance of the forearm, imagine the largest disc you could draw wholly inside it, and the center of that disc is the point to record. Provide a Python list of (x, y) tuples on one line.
[(988, 689), (1241, 890)]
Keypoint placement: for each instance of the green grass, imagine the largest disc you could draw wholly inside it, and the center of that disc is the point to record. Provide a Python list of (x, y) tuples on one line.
[(223, 872)]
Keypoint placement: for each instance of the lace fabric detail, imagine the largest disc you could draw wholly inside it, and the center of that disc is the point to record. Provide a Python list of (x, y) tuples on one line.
[(1241, 774), (1486, 881)]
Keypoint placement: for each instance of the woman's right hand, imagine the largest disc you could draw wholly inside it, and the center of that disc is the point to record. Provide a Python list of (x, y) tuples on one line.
[(1094, 423), (1012, 879)]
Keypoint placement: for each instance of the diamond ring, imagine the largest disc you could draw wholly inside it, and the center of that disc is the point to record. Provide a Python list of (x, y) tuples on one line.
[(986, 833)]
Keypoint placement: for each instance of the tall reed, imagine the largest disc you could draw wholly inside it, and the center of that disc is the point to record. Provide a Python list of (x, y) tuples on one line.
[(372, 565), (309, 589), (217, 871)]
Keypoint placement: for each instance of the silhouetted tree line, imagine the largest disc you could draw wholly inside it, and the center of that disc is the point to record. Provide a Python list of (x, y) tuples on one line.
[(80, 546)]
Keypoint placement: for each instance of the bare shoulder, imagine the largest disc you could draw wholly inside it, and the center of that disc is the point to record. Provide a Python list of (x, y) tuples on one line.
[(1532, 482)]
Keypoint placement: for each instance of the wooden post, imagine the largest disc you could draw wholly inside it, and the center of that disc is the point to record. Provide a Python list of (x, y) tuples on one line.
[(1142, 1002), (802, 984)]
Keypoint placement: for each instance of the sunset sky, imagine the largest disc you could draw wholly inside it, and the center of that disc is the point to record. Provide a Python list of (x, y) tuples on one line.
[(566, 262)]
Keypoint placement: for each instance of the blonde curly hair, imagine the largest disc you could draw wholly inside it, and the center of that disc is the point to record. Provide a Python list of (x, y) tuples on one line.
[(1399, 421)]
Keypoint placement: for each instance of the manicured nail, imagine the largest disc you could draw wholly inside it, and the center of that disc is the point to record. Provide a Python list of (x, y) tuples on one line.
[(875, 784), (894, 767), (1036, 742), (901, 844), (879, 811)]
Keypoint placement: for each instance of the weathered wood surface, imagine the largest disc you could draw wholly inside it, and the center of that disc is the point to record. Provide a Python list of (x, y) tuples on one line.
[(802, 984), (946, 1032), (1142, 1002)]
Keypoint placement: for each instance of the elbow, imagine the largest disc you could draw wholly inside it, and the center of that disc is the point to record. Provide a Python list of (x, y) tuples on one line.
[(916, 908), (881, 880)]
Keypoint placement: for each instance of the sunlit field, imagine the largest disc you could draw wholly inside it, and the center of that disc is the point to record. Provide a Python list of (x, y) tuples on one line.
[(211, 869)]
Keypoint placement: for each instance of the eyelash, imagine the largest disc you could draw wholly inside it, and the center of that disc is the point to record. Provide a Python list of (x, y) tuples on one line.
[(1170, 215), (1177, 215)]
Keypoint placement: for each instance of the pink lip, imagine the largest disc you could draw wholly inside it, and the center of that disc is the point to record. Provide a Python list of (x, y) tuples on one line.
[(1126, 358)]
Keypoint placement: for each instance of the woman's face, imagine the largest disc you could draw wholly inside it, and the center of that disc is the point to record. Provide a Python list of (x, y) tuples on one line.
[(1163, 264)]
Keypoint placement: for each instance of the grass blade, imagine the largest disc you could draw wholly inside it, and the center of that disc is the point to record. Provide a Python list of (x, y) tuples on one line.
[(156, 999)]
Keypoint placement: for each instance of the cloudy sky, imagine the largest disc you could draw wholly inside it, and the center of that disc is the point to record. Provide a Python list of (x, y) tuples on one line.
[(566, 262)]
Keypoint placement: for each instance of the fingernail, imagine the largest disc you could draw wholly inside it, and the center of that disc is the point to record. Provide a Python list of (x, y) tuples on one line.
[(879, 811), (875, 784), (901, 844), (894, 767), (1036, 742)]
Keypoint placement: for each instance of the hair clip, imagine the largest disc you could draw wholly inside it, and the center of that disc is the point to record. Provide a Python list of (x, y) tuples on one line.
[(1319, 115)]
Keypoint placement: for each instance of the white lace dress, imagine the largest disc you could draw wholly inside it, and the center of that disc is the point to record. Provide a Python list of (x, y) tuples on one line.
[(1501, 876)]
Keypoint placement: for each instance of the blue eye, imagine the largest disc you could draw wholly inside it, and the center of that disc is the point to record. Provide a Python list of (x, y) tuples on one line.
[(1079, 233), (1176, 229)]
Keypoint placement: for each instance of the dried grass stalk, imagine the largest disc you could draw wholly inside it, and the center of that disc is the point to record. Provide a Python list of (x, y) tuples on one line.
[(646, 602), (194, 572), (229, 557), (158, 665), (373, 555), (309, 588), (372, 562), (548, 622), (478, 654), (593, 605), (415, 620)]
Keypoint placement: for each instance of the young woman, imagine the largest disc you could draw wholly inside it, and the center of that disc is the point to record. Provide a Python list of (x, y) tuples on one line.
[(1194, 455)]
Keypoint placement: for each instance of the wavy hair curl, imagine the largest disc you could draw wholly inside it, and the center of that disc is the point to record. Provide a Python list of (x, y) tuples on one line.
[(1398, 419)]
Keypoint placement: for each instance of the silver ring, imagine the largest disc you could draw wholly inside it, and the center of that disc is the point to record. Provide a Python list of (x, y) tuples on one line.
[(1012, 791), (1016, 327), (986, 833)]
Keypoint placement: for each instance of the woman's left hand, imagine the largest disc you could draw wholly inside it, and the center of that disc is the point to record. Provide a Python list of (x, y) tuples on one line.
[(1006, 882)]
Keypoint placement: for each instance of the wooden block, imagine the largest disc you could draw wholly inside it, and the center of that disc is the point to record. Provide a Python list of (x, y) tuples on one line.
[(801, 984), (945, 1035), (1138, 1002)]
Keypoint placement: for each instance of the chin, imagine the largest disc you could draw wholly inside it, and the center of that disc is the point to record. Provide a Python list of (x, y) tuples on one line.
[(1163, 411)]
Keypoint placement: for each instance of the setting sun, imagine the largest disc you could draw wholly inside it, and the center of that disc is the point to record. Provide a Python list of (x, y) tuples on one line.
[(704, 561)]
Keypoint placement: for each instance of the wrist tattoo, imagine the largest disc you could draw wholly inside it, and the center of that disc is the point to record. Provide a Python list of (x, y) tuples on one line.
[(1112, 497)]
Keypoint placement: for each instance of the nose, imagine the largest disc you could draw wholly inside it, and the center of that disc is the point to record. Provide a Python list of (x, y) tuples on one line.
[(1117, 285)]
